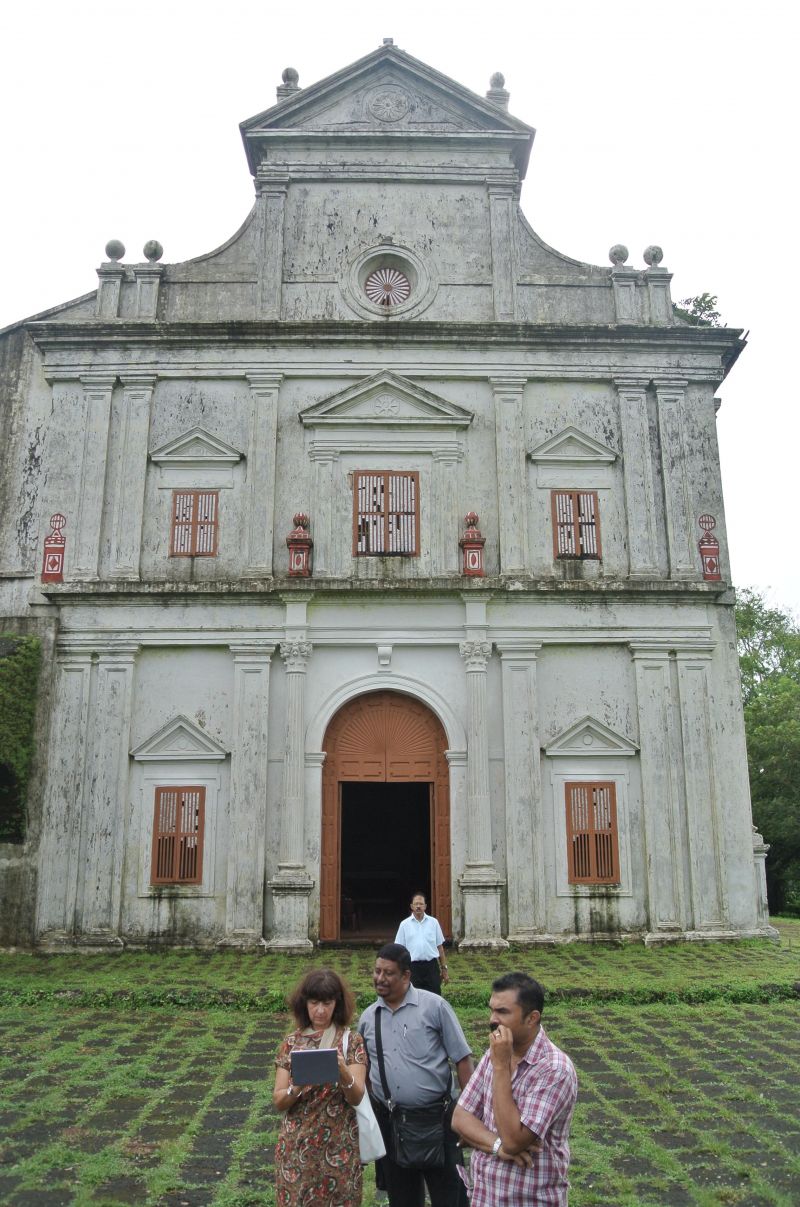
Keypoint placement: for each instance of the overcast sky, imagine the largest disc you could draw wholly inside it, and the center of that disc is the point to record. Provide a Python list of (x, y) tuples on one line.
[(656, 123)]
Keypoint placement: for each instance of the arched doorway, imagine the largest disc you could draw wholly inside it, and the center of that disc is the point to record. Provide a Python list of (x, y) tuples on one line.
[(385, 815)]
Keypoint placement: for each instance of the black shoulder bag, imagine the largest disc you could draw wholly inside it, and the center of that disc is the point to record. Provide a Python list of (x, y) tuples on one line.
[(416, 1134)]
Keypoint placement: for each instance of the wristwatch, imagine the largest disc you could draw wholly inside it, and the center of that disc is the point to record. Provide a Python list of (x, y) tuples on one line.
[(498, 1144)]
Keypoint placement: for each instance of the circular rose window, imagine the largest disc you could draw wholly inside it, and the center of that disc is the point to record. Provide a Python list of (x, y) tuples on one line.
[(387, 287)]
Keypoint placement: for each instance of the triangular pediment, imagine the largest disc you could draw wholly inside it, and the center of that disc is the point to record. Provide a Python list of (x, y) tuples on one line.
[(590, 738), (385, 400), (180, 740), (385, 92), (196, 447), (572, 446)]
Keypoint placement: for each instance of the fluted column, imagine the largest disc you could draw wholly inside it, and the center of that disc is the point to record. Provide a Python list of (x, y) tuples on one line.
[(527, 898), (59, 849), (126, 540), (106, 797), (292, 884), (261, 448), (244, 924), (480, 885), (637, 468)]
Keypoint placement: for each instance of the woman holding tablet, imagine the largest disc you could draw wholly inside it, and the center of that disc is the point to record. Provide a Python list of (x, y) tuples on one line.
[(316, 1157)]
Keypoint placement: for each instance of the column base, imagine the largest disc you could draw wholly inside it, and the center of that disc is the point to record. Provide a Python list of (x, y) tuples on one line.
[(88, 941), (481, 890), (531, 936), (242, 940), (290, 924)]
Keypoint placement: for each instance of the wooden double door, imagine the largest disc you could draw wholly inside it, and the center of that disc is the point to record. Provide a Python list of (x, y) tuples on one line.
[(385, 816)]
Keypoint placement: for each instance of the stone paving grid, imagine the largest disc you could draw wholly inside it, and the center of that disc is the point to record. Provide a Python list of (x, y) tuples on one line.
[(678, 1105)]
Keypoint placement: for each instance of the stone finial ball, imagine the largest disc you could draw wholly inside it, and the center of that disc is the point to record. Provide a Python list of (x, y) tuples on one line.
[(153, 250), (618, 254), (498, 80), (114, 249), (290, 76), (653, 255)]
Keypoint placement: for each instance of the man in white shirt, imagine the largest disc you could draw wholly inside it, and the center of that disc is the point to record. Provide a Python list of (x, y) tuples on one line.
[(423, 937)]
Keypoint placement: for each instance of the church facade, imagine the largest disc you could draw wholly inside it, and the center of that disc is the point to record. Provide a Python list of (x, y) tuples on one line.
[(380, 550)]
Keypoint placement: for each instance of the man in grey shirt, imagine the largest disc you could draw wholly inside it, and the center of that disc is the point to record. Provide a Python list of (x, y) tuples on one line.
[(420, 1035)]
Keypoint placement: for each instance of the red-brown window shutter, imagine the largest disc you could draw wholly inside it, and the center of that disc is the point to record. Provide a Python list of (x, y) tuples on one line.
[(576, 523), (385, 514), (592, 838), (178, 827), (194, 523)]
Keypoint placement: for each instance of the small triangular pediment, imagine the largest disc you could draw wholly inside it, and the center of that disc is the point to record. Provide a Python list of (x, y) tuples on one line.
[(590, 737), (180, 740), (196, 448), (572, 447), (386, 91), (385, 400)]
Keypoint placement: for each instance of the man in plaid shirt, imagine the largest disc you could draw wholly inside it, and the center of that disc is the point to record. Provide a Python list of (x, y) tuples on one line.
[(516, 1110)]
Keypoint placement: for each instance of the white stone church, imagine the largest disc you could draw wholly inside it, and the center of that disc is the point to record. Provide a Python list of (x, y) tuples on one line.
[(381, 549)]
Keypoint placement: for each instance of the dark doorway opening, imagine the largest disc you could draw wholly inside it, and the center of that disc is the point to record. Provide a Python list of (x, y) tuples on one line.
[(386, 856)]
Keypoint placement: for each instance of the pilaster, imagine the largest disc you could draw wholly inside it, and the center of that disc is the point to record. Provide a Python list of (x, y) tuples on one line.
[(109, 288), (59, 852), (527, 897), (445, 511), (703, 807), (148, 282), (658, 292), (126, 540), (271, 191), (626, 302), (661, 794), (502, 213), (91, 473), (637, 467), (292, 885), (512, 515), (671, 396), (480, 884), (325, 461), (106, 797), (261, 449), (244, 914)]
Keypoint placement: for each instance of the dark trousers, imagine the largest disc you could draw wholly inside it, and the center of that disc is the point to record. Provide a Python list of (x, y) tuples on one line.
[(406, 1187), (426, 974)]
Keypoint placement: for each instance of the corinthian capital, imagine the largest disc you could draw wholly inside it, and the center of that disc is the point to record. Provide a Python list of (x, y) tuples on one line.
[(475, 653), (295, 654)]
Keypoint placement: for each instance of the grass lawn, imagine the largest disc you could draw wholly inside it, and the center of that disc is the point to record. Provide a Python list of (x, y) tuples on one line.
[(109, 1099)]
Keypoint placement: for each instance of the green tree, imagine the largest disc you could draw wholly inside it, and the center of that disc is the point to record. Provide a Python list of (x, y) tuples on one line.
[(769, 659), (700, 311)]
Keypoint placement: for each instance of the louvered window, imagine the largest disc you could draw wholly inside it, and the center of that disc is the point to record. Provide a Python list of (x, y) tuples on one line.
[(592, 841), (385, 514), (576, 523), (178, 836), (194, 523)]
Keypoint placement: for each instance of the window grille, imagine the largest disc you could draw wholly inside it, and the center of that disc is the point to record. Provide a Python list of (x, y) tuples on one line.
[(592, 838), (194, 523), (576, 523), (178, 836), (385, 514)]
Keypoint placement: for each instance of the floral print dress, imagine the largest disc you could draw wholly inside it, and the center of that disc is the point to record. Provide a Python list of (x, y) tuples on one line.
[(316, 1158)]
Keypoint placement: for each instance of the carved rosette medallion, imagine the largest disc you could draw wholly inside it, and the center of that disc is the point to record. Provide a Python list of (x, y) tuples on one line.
[(387, 287), (295, 654), (389, 104), (476, 654), (386, 405)]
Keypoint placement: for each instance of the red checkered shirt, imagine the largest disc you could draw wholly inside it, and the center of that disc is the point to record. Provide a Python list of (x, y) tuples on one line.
[(544, 1087)]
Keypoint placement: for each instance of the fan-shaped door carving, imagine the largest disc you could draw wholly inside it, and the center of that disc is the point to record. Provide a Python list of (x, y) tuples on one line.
[(384, 737)]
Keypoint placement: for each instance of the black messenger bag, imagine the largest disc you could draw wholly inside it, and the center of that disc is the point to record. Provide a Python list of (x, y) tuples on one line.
[(416, 1134)]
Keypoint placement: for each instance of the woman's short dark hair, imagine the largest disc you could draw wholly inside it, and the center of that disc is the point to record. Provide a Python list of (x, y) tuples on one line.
[(322, 985), (530, 994)]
